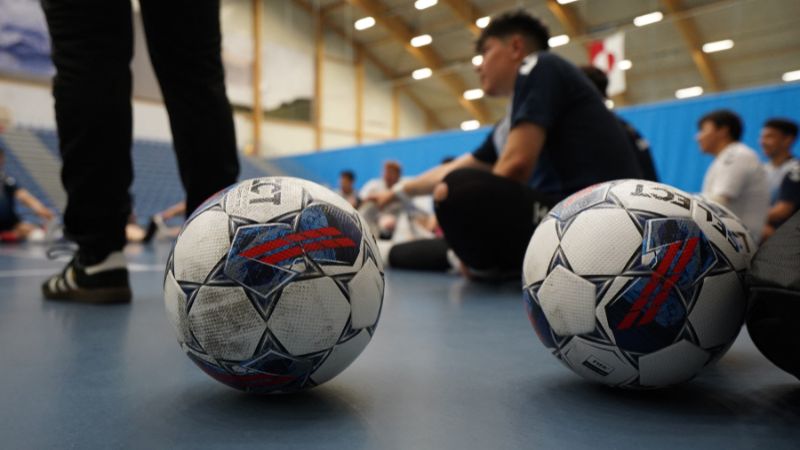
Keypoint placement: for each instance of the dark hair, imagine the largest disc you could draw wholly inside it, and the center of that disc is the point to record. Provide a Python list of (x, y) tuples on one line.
[(348, 174), (598, 78), (724, 118), (785, 126), (516, 22)]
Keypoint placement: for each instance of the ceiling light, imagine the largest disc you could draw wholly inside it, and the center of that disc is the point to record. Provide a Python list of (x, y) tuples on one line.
[(473, 94), (558, 41), (565, 2), (625, 64), (693, 91), (718, 46), (791, 76), (469, 125), (421, 74), (483, 22), (647, 19), (419, 41), (423, 4), (477, 60), (609, 103), (364, 23)]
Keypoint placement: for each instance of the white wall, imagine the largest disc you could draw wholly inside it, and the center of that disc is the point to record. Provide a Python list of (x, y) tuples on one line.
[(32, 105), (287, 25)]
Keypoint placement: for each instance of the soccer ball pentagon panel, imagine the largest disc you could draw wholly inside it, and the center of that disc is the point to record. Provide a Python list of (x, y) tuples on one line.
[(637, 284), (274, 285)]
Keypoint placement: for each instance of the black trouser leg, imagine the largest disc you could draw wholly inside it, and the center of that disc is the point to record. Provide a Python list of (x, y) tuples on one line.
[(488, 220), (184, 42), (421, 254), (92, 45)]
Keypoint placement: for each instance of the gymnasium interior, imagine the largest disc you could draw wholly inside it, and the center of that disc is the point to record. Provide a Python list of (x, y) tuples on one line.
[(318, 87)]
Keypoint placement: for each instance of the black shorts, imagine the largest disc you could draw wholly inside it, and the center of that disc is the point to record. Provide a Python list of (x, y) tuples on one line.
[(488, 220)]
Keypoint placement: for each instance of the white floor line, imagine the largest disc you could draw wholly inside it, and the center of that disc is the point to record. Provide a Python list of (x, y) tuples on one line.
[(20, 273)]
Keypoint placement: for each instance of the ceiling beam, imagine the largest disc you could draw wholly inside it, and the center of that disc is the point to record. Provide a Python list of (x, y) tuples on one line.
[(568, 18), (389, 73), (467, 12), (691, 36), (333, 6), (425, 55)]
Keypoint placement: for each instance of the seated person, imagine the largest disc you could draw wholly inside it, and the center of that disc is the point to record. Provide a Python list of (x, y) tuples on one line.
[(558, 138), (640, 144), (12, 228), (735, 178), (783, 172), (347, 188), (382, 218)]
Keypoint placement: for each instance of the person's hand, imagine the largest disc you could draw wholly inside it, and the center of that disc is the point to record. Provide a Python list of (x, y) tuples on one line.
[(382, 199), (45, 214)]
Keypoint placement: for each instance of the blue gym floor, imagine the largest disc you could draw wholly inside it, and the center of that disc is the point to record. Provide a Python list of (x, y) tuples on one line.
[(453, 365)]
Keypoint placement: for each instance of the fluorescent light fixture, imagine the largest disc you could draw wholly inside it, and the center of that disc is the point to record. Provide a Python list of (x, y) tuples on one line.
[(421, 74), (483, 21), (364, 23), (791, 76), (625, 64), (609, 103), (419, 41), (718, 46), (477, 60), (647, 19), (693, 91), (565, 2), (469, 125), (424, 4), (473, 94), (558, 41)]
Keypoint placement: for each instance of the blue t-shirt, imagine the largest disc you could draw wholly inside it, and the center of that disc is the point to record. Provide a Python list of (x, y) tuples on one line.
[(585, 143)]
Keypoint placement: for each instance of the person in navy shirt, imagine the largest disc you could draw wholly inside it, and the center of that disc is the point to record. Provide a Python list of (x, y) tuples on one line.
[(558, 137), (12, 227)]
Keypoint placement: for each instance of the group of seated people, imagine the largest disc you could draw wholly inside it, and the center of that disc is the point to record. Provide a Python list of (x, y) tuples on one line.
[(558, 138), (762, 195)]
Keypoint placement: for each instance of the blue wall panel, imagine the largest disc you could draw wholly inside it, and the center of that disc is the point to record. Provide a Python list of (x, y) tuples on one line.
[(416, 155), (669, 126)]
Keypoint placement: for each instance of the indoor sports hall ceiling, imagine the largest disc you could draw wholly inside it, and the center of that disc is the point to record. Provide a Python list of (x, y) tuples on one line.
[(665, 56)]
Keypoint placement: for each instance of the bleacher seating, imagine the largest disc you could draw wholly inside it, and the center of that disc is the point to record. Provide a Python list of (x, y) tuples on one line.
[(156, 184)]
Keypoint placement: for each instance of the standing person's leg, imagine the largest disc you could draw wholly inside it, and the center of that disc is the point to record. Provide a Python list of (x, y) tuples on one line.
[(185, 45), (488, 220), (92, 45)]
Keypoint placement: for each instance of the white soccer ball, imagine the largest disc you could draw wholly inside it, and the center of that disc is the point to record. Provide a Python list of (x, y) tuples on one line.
[(637, 284), (274, 285)]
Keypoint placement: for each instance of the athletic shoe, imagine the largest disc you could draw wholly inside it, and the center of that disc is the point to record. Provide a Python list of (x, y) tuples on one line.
[(152, 229), (104, 282)]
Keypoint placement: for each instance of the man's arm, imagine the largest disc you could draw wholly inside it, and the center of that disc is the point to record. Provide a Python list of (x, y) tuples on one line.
[(522, 150), (34, 204), (425, 182), (781, 211)]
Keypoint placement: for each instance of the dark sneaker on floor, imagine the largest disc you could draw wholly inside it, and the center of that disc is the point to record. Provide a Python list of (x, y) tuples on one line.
[(104, 282), (152, 229)]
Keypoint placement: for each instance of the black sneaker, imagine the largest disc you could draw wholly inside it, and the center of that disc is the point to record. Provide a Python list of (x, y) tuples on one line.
[(152, 229), (104, 282)]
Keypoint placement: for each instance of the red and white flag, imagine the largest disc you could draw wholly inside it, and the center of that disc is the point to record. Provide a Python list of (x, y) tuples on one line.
[(605, 55)]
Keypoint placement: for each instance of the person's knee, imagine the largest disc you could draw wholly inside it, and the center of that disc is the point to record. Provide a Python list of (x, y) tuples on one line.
[(440, 192)]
